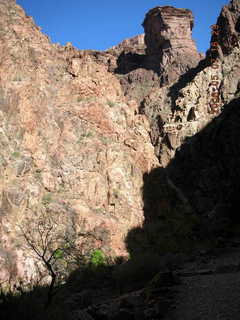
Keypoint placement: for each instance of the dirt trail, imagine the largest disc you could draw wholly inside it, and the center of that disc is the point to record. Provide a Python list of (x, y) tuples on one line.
[(208, 297), (214, 295)]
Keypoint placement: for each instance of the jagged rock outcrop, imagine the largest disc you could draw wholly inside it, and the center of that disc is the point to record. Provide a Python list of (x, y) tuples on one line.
[(160, 60), (169, 52), (167, 27), (135, 44), (225, 34), (180, 110), (71, 145), (169, 45)]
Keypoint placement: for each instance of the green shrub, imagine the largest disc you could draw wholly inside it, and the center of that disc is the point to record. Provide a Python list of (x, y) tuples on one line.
[(84, 135), (104, 140), (86, 99), (58, 254), (97, 258)]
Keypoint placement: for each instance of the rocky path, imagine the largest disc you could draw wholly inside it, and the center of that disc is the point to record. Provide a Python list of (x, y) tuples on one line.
[(209, 290), (208, 297)]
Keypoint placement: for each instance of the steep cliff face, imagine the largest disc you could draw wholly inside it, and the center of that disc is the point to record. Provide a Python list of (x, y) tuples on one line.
[(179, 111), (71, 145), (206, 168), (168, 38)]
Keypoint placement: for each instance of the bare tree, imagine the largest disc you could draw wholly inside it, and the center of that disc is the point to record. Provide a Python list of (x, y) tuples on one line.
[(47, 238)]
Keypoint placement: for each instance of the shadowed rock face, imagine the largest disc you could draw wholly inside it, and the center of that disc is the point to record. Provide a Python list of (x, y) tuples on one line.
[(159, 57), (168, 38), (201, 144), (206, 168)]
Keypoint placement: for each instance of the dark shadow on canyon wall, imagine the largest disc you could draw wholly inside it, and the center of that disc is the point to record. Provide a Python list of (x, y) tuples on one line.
[(128, 61), (186, 78), (140, 73), (193, 202)]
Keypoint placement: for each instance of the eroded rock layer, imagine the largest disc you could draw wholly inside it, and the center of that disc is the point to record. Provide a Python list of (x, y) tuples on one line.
[(168, 38)]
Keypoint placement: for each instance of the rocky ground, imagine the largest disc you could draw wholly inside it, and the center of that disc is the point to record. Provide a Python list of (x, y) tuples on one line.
[(208, 297), (210, 288)]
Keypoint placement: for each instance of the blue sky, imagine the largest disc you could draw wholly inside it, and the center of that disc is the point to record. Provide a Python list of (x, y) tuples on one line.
[(98, 25)]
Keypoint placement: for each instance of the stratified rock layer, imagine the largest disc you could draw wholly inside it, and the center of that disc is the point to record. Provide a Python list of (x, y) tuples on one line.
[(168, 38)]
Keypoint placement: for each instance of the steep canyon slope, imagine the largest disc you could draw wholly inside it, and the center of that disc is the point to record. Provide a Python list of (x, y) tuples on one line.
[(71, 145)]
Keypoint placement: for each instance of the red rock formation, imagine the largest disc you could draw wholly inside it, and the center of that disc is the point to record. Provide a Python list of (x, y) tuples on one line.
[(168, 32), (70, 145)]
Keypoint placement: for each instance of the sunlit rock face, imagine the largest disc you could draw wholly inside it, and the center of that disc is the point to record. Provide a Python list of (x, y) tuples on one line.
[(134, 44), (71, 145), (165, 24), (168, 38), (158, 57)]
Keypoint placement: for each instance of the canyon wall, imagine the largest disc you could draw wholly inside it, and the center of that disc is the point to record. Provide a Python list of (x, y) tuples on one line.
[(71, 145)]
